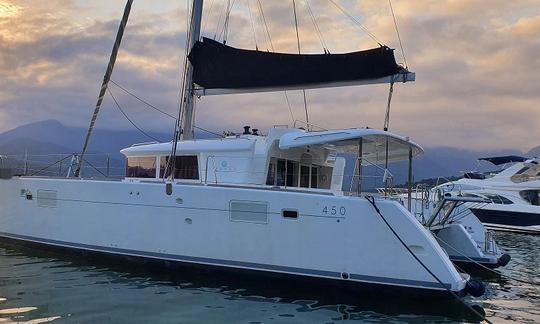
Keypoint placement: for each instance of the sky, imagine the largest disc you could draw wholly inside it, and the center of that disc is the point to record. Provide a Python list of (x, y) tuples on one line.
[(476, 64)]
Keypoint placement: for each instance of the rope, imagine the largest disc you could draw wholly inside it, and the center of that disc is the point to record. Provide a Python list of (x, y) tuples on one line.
[(160, 110), (131, 121), (371, 200), (317, 29), (354, 20), (397, 32), (265, 24), (252, 24), (209, 11), (51, 165), (93, 167), (142, 100)]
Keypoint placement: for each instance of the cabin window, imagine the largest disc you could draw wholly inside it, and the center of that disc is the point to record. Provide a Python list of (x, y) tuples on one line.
[(304, 176), (141, 167), (281, 172), (186, 167), (314, 177), (271, 177), (290, 173)]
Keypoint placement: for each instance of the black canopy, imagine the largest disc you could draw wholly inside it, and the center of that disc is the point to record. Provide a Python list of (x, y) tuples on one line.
[(497, 160), (218, 66)]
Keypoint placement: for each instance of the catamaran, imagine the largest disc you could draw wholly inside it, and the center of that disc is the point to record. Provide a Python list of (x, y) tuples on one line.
[(271, 204)]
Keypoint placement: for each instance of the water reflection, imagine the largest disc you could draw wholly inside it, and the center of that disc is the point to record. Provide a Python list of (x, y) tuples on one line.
[(96, 290)]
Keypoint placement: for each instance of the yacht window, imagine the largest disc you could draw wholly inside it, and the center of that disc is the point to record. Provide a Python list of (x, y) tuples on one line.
[(522, 170), (186, 167), (304, 176), (141, 167), (532, 196), (314, 177), (271, 177), (281, 171), (498, 199), (292, 174)]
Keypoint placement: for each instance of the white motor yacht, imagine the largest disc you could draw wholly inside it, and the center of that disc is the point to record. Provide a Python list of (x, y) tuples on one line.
[(513, 194)]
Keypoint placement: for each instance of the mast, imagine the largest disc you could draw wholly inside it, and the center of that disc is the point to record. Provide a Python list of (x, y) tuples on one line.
[(105, 83), (188, 111)]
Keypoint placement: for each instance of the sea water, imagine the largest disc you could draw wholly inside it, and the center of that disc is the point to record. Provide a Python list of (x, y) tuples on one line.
[(40, 287)]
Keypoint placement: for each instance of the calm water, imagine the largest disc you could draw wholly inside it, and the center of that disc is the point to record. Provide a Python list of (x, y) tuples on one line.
[(36, 287)]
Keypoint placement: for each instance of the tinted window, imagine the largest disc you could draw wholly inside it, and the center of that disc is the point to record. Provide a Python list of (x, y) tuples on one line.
[(141, 167), (314, 177), (271, 177), (186, 167), (292, 174), (304, 176), (280, 178)]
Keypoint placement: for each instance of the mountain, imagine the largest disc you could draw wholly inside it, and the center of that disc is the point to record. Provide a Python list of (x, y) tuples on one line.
[(534, 152), (52, 137)]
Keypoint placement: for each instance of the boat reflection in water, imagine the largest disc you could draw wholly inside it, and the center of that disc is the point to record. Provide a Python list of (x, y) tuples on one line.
[(75, 281)]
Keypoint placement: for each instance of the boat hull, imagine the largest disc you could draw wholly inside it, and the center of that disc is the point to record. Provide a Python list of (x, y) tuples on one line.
[(509, 220), (332, 238), (269, 283)]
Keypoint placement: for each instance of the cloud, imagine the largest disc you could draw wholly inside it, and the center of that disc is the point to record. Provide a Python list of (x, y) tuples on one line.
[(475, 65)]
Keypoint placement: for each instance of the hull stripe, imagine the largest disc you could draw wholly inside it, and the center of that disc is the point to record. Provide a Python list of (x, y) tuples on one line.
[(501, 217)]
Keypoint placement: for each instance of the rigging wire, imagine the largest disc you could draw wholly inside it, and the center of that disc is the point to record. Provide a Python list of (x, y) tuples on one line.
[(252, 24), (225, 30), (371, 200), (354, 20), (299, 52), (486, 268), (265, 25), (397, 32), (129, 119), (221, 15), (209, 12), (160, 110), (142, 100), (261, 11), (317, 29)]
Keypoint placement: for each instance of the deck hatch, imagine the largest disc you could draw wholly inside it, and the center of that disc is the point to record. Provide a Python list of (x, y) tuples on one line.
[(248, 211)]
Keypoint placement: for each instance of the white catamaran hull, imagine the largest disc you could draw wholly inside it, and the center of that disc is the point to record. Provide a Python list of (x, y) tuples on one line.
[(333, 237)]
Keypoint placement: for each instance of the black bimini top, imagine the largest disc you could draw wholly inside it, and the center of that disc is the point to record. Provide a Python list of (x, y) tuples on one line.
[(218, 66), (498, 160)]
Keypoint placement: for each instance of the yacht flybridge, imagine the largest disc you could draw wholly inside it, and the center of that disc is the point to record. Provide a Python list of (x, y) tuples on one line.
[(270, 204), (513, 194)]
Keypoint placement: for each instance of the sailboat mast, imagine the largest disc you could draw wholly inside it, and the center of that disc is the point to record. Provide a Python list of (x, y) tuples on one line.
[(188, 91)]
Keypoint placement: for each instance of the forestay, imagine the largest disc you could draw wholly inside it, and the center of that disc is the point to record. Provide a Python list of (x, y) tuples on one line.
[(374, 143)]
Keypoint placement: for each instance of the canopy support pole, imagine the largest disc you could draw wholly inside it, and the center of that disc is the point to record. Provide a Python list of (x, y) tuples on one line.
[(410, 178), (360, 149), (105, 83)]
